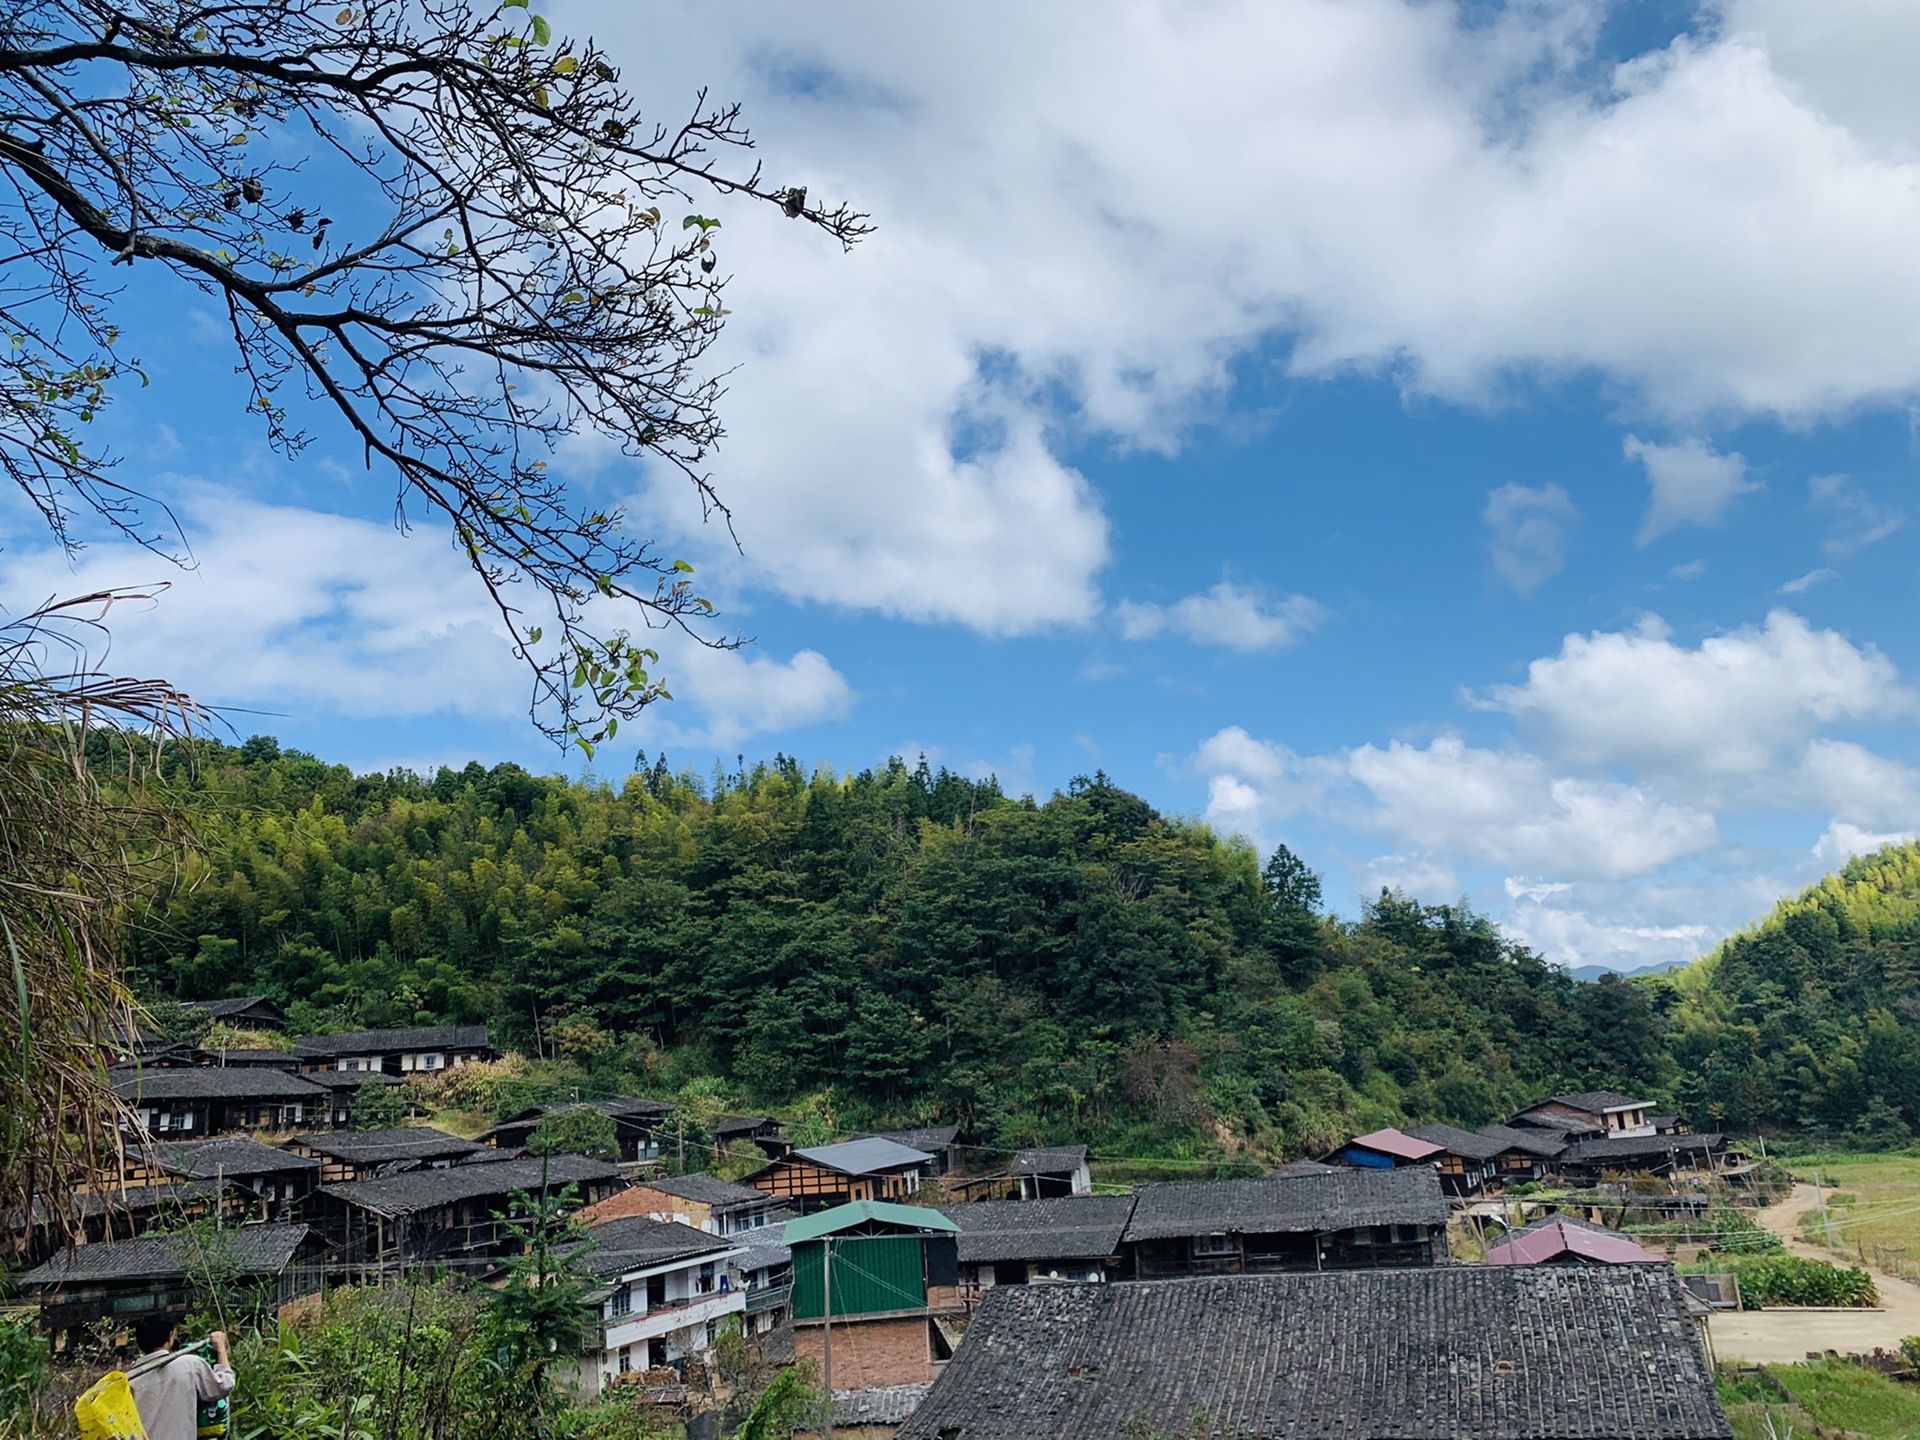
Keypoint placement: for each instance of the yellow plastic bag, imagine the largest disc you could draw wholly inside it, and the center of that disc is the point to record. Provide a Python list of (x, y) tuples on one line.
[(106, 1411)]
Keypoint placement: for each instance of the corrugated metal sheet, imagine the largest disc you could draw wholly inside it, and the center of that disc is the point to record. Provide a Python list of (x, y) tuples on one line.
[(870, 1275)]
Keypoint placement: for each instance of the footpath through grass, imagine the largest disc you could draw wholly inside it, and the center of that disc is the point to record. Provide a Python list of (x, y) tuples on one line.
[(1829, 1394), (1873, 1208)]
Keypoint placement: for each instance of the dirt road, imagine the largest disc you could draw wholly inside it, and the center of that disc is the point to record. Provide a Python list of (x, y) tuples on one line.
[(1782, 1336)]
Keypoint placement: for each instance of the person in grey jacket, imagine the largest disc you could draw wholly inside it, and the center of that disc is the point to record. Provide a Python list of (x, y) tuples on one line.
[(169, 1388)]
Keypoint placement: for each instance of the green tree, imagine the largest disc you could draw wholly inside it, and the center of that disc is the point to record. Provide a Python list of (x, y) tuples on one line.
[(577, 1130), (378, 1106)]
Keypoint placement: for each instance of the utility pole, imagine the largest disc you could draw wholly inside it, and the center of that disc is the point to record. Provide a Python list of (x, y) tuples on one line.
[(1826, 1225), (826, 1348)]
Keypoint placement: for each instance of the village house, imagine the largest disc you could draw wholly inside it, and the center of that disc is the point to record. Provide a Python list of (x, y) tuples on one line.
[(1526, 1154), (411, 1050), (1344, 1220), (119, 1281), (266, 1059), (638, 1125), (762, 1131), (893, 1274), (1051, 1173), (347, 1155), (1562, 1240), (461, 1212), (259, 1182), (1466, 1159), (765, 1267), (1609, 1111), (1021, 1242), (665, 1290), (1587, 1161), (1385, 1150), (199, 1100), (115, 1212), (1466, 1352), (243, 1012), (343, 1089), (828, 1175), (705, 1202)]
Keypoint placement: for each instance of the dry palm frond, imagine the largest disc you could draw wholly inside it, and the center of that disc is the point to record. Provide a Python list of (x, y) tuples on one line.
[(74, 852)]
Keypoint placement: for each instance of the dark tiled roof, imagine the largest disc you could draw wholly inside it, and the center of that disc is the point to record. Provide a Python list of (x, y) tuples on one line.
[(1591, 1102), (239, 1005), (427, 1189), (709, 1190), (250, 1056), (925, 1137), (213, 1082), (1455, 1141), (878, 1405), (635, 1108), (1456, 1353), (1408, 1195), (1557, 1125), (637, 1243), (1640, 1147), (389, 1042), (233, 1157), (1528, 1138), (254, 1249), (1056, 1160), (351, 1079), (378, 1147), (1078, 1227), (1293, 1169), (742, 1125), (765, 1246)]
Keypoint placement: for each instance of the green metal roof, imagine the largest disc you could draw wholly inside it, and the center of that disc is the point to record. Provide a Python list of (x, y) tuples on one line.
[(860, 1212)]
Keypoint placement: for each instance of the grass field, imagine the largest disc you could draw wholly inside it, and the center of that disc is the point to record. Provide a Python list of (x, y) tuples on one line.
[(1830, 1394), (1873, 1207)]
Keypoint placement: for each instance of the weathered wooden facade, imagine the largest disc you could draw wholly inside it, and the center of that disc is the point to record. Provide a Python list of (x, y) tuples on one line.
[(830, 1175)]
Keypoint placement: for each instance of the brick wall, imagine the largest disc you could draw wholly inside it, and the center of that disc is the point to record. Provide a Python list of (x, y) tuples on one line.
[(869, 1353)]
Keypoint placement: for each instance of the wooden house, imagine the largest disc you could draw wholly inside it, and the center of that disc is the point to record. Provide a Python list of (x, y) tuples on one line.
[(1466, 1351), (762, 1131), (1021, 1242), (260, 1182), (409, 1050), (1385, 1150), (119, 1281), (461, 1212), (1352, 1218), (348, 1155), (1608, 1111), (243, 1012), (1587, 1161), (1051, 1173), (828, 1175), (1466, 1161), (196, 1101)]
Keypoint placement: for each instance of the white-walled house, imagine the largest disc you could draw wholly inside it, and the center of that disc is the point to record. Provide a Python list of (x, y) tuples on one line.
[(411, 1050), (668, 1291)]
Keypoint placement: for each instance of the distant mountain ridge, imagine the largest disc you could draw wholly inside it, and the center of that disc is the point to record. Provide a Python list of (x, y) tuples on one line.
[(1600, 972)]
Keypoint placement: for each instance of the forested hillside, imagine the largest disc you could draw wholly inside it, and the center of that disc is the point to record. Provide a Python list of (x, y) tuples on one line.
[(904, 944), (1810, 1021)]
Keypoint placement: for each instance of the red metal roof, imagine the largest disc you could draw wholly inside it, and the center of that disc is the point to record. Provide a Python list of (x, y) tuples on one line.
[(1399, 1143), (1541, 1243)]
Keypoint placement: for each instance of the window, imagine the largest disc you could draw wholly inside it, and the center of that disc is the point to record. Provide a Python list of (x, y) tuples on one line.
[(626, 1355), (621, 1304), (713, 1332), (704, 1284), (1213, 1245)]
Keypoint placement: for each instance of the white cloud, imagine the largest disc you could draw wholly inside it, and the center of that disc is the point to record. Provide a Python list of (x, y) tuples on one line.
[(1691, 484), (296, 610), (1692, 228), (1731, 706), (1226, 615), (1648, 817), (1859, 519), (1800, 584), (1527, 533)]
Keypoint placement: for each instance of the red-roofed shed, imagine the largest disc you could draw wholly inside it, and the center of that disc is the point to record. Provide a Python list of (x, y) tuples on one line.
[(1559, 1241)]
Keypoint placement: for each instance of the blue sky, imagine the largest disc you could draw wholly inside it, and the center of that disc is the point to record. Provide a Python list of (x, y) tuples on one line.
[(1473, 445)]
